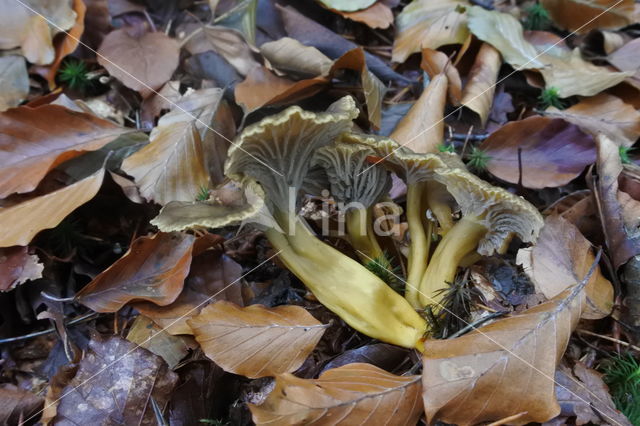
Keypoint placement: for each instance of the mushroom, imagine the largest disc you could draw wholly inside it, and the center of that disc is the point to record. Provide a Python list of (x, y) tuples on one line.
[(490, 217), (423, 192), (277, 152), (359, 186)]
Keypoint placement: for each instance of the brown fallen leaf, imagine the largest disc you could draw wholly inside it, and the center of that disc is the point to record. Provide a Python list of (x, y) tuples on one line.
[(603, 113), (18, 266), (153, 269), (212, 276), (14, 81), (17, 404), (481, 84), (583, 16), (256, 341), (378, 15), (294, 58), (141, 62), (582, 394), (553, 152), (353, 394), (146, 334), (115, 383), (626, 59), (24, 157), (435, 62), (27, 218), (504, 368), (559, 260), (429, 23), (622, 244), (173, 167)]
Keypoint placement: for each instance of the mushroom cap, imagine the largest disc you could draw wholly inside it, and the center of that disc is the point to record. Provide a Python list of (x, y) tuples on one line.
[(412, 167), (501, 212), (350, 176), (181, 215), (277, 151)]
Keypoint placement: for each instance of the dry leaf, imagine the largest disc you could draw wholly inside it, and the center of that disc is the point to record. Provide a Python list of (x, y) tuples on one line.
[(582, 16), (603, 113), (502, 369), (173, 166), (228, 43), (622, 240), (553, 152), (212, 276), (352, 394), (141, 62), (46, 211), (256, 341), (14, 81), (560, 259), (431, 24), (146, 334), (115, 384), (294, 58), (435, 62), (35, 140), (481, 84), (347, 5), (17, 404), (378, 15), (18, 266), (626, 57), (153, 269)]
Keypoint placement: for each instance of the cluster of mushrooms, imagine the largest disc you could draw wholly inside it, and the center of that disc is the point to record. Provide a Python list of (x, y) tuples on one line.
[(295, 151)]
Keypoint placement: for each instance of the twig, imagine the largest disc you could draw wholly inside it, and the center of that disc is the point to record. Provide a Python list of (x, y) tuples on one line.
[(475, 324), (49, 330), (611, 339), (465, 136), (510, 418)]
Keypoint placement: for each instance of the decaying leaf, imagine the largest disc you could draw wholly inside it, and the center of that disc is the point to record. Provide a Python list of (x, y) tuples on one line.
[(153, 269), (347, 5), (18, 266), (478, 369), (553, 152), (29, 217), (148, 335), (582, 16), (227, 42), (353, 394), (378, 15), (582, 394), (17, 404), (294, 58), (560, 259), (256, 341), (212, 276), (626, 58), (141, 62), (14, 81), (173, 167), (116, 383), (429, 23), (618, 212), (481, 84), (435, 62), (603, 113), (25, 160)]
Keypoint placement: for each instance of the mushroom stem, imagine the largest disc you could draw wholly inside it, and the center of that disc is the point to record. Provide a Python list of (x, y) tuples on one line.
[(419, 246), (459, 242), (441, 210), (348, 289), (361, 234)]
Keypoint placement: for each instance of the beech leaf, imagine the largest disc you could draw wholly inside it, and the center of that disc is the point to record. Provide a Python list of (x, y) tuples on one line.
[(378, 15), (29, 217), (153, 269), (347, 5), (481, 85), (18, 266), (35, 140), (256, 341), (352, 394), (478, 369), (583, 16), (14, 81)]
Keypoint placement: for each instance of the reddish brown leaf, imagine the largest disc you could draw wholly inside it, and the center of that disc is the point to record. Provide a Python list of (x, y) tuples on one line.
[(143, 63), (18, 266), (479, 90), (378, 15), (582, 16), (256, 341), (554, 152), (34, 140), (354, 394), (115, 383), (153, 269)]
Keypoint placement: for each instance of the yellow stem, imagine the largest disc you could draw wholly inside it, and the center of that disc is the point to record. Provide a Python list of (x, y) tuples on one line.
[(361, 234), (348, 289), (436, 195), (419, 246), (460, 241)]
